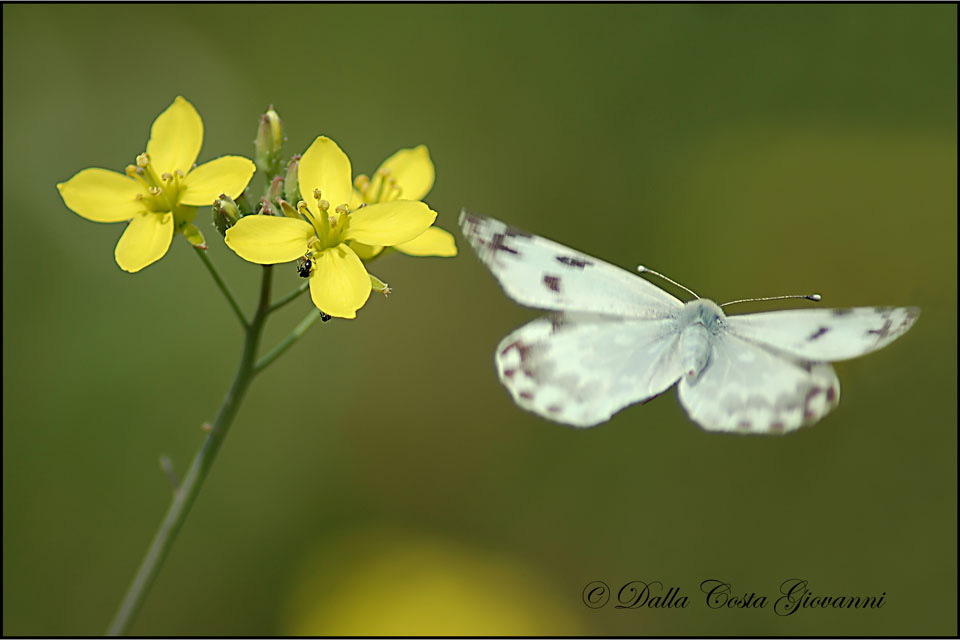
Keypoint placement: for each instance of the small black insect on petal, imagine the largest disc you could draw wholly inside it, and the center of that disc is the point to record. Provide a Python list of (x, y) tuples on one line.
[(324, 317), (304, 268)]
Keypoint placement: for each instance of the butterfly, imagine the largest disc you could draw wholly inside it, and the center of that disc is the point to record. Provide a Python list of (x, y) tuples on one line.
[(615, 339)]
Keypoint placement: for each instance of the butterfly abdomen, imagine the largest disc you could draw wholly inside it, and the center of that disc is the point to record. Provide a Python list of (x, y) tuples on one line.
[(699, 322)]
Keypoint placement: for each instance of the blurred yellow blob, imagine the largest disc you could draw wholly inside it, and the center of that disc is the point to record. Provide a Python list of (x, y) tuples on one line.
[(390, 584)]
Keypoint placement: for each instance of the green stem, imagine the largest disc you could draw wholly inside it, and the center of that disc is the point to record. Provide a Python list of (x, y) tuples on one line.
[(290, 297), (223, 285), (186, 493), (287, 342)]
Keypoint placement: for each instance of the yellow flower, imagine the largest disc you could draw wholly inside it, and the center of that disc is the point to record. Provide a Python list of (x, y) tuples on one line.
[(407, 174), (162, 192), (339, 283)]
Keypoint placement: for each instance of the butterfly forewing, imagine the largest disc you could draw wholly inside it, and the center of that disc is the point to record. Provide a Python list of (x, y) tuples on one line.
[(825, 335), (543, 274)]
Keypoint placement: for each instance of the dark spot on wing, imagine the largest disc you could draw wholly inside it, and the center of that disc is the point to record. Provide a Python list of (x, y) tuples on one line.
[(516, 233), (831, 395), (745, 425), (578, 263), (552, 282), (498, 245), (777, 427), (522, 349), (526, 395), (808, 413), (509, 373), (469, 222), (842, 312), (883, 331), (554, 408), (819, 332)]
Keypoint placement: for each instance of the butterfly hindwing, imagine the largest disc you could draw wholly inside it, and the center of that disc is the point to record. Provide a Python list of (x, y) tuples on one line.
[(746, 388), (825, 335), (580, 369), (543, 274)]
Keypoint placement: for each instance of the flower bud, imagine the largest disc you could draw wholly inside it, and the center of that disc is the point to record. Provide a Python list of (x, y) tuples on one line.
[(194, 236), (379, 285), (267, 208), (225, 213), (269, 142), (291, 187), (275, 190)]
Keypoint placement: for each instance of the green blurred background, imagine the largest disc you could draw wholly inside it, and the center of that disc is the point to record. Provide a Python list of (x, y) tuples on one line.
[(378, 478)]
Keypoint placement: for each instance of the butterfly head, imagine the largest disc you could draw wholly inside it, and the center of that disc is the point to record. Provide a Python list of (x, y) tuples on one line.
[(702, 312)]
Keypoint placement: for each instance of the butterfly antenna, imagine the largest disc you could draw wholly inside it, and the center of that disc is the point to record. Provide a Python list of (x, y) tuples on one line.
[(643, 269), (814, 297)]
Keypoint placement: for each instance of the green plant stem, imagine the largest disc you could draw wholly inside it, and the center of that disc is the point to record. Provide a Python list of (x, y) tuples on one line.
[(186, 493), (287, 342), (223, 285), (290, 297)]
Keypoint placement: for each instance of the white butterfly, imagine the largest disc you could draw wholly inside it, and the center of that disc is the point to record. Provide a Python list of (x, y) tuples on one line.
[(617, 339)]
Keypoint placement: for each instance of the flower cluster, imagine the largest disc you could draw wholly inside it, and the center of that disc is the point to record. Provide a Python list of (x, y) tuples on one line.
[(337, 223)]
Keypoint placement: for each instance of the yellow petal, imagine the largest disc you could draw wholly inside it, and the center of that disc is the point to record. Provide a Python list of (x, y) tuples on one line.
[(145, 241), (102, 196), (175, 138), (389, 223), (228, 174), (356, 199), (432, 242), (340, 285), (412, 169), (365, 251), (326, 167), (269, 239)]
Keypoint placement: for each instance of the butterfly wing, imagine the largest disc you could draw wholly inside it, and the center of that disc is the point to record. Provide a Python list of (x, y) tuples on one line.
[(747, 388), (543, 274), (580, 369), (825, 335)]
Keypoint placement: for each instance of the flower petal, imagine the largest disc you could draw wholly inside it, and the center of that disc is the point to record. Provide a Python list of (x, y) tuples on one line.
[(389, 223), (145, 241), (365, 251), (175, 138), (227, 174), (432, 242), (412, 169), (269, 239), (340, 284), (326, 167), (102, 196)]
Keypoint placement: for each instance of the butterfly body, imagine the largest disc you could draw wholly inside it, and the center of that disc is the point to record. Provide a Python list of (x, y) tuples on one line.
[(615, 339), (699, 322)]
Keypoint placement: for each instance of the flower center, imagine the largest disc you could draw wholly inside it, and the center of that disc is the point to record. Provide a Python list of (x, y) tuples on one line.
[(162, 191), (330, 226), (383, 188)]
